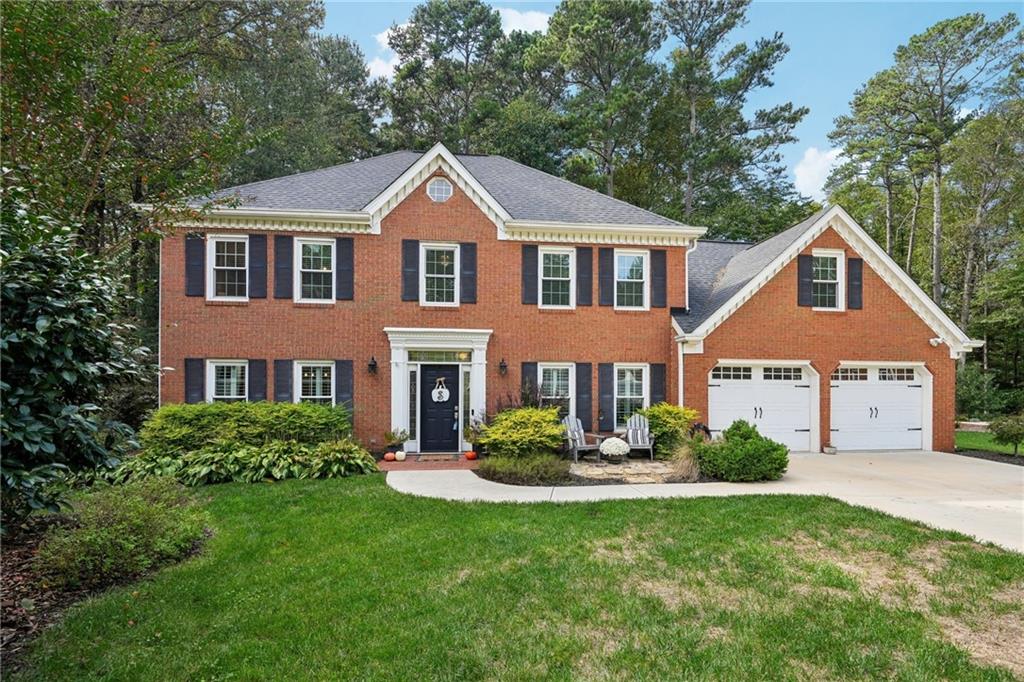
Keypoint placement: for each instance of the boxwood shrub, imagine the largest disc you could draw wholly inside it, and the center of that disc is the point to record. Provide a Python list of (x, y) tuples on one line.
[(670, 426), (523, 432), (177, 429), (546, 469), (742, 454)]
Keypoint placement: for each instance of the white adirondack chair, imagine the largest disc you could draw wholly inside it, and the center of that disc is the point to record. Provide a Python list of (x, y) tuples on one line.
[(638, 434)]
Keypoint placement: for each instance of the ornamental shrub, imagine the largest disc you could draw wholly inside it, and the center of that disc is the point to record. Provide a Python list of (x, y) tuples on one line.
[(742, 454), (546, 469), (670, 426), (1009, 430), (522, 432), (117, 532), (177, 429)]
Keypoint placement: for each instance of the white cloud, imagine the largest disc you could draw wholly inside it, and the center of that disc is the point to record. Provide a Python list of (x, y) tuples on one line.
[(529, 21), (385, 63), (812, 171)]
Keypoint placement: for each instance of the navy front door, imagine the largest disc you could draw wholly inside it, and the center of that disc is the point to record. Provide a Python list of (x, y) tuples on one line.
[(439, 408)]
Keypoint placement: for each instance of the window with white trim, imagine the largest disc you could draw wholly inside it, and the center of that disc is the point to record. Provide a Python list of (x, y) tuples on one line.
[(896, 374), (631, 275), (226, 380), (557, 272), (783, 374), (439, 274), (314, 270), (228, 267), (732, 373), (556, 387), (315, 382), (827, 279), (850, 374), (439, 190), (630, 392)]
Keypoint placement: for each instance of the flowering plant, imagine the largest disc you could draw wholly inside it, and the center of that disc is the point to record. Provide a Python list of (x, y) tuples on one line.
[(614, 447)]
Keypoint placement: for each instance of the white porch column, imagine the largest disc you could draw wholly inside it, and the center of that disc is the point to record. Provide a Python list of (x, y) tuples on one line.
[(478, 382), (399, 387)]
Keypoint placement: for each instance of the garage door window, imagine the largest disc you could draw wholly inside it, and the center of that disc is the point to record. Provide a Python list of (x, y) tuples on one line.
[(850, 374), (783, 374), (896, 374), (732, 373)]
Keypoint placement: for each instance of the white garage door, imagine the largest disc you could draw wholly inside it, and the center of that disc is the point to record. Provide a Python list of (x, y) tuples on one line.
[(877, 408), (777, 400)]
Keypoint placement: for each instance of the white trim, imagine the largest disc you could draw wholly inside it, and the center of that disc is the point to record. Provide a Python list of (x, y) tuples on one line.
[(600, 233), (210, 373), (686, 280), (297, 269), (645, 378), (211, 254), (927, 388), (646, 281), (880, 363), (840, 257), (436, 182), (571, 366), (563, 251), (874, 256), (680, 376), (437, 246), (297, 377)]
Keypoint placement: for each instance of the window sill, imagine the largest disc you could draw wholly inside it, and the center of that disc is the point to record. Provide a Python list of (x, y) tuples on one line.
[(829, 310), (631, 310)]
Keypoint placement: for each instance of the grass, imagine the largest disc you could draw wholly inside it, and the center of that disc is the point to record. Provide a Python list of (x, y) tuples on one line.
[(345, 579), (977, 440)]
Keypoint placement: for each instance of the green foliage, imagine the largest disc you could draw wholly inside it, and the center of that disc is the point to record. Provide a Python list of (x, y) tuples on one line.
[(62, 346), (176, 429), (977, 396), (522, 432), (742, 455), (1009, 430), (543, 469), (670, 426), (118, 532)]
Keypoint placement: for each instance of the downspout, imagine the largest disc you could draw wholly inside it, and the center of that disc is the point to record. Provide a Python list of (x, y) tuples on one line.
[(679, 355)]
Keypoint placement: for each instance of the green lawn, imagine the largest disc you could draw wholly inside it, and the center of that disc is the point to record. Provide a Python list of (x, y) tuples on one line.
[(974, 440), (346, 579)]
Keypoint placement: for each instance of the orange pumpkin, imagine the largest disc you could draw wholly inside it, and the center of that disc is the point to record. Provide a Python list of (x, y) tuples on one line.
[(389, 457), (470, 454)]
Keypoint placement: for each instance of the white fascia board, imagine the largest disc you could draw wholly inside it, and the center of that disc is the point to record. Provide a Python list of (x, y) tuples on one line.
[(601, 233), (270, 219)]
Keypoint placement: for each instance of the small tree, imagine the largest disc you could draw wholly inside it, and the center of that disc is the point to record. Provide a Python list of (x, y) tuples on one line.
[(61, 347), (1009, 430)]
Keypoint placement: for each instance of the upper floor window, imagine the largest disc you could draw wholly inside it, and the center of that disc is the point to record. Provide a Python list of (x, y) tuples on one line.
[(228, 271), (556, 384), (315, 381), (226, 380), (631, 276), (630, 392), (439, 265), (314, 270), (827, 276), (557, 271), (439, 190)]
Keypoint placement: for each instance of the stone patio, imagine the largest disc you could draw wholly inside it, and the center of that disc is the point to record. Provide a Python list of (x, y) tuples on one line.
[(627, 471)]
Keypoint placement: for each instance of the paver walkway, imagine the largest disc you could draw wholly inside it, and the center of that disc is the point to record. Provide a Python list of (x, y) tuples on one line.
[(976, 497)]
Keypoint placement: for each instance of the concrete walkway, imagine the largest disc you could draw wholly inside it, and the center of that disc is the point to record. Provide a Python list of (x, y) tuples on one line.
[(973, 496)]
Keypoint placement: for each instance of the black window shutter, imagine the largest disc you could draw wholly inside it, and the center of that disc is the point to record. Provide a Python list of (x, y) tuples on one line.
[(584, 397), (657, 383), (343, 383), (528, 379), (467, 278), (584, 275), (658, 279), (804, 280), (283, 246), (257, 380), (410, 270), (344, 287), (530, 274), (257, 266), (855, 283), (282, 381), (195, 260), (195, 380), (606, 396), (606, 276)]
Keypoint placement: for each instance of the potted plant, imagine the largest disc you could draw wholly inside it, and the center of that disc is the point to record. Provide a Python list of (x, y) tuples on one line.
[(614, 449), (395, 440), (471, 434)]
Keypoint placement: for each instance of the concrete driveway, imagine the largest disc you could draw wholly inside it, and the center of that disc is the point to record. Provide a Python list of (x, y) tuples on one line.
[(976, 497)]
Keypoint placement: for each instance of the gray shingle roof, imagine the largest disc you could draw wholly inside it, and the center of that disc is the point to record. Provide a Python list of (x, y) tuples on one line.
[(526, 193), (719, 269)]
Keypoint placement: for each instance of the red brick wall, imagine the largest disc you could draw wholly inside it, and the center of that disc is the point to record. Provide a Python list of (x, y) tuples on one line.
[(274, 328), (772, 326)]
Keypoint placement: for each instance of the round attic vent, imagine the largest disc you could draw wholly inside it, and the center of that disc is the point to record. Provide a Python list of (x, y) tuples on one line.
[(439, 189)]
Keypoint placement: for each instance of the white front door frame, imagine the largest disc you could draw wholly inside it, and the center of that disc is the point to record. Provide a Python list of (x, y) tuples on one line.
[(404, 339)]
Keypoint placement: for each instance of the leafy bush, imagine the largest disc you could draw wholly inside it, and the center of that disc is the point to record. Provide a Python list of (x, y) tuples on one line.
[(121, 531), (225, 461), (1009, 430), (742, 455), (177, 429), (977, 396), (670, 426), (523, 432), (546, 469)]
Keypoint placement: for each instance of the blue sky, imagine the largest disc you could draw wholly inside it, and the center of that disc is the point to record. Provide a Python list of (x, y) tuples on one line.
[(834, 48)]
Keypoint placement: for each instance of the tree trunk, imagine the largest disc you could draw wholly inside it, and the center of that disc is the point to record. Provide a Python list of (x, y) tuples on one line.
[(888, 218), (689, 167), (965, 303), (913, 230), (609, 169), (937, 231)]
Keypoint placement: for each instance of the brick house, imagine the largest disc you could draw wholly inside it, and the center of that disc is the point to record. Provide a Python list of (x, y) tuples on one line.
[(425, 289)]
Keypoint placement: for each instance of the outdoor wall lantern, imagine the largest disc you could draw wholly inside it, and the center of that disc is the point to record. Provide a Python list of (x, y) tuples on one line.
[(503, 367), (373, 365)]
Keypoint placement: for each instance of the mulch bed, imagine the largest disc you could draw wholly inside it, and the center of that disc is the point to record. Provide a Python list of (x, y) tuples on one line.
[(993, 456)]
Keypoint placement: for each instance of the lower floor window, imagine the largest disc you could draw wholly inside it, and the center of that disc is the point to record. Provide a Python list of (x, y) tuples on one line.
[(228, 381), (556, 388), (316, 383), (630, 392)]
